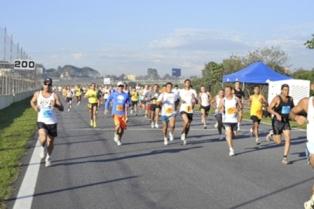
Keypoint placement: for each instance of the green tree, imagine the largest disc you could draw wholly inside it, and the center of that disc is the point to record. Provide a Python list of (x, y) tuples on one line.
[(232, 64), (274, 57), (310, 43)]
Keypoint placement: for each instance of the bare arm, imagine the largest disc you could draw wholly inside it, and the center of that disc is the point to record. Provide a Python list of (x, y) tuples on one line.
[(58, 103), (300, 107), (240, 106), (274, 103), (34, 102)]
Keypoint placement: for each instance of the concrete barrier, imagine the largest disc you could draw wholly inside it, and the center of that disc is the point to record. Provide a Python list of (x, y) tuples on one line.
[(7, 100)]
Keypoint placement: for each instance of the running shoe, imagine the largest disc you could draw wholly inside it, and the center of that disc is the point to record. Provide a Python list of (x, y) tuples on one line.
[(285, 161), (152, 125), (165, 141), (309, 204), (205, 127), (94, 124), (156, 125), (268, 137), (231, 152), (257, 141), (48, 161), (91, 123), (42, 153), (216, 125), (222, 137), (170, 136)]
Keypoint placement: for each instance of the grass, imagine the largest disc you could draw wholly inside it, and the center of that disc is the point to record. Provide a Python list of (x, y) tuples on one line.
[(17, 126)]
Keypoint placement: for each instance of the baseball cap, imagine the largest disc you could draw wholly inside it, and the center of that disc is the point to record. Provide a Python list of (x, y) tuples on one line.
[(48, 81), (120, 83)]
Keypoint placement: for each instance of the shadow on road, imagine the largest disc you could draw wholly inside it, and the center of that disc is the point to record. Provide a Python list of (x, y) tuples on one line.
[(153, 152), (271, 193), (72, 188)]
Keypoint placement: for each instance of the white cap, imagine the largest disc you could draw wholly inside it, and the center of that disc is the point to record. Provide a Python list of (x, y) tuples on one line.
[(120, 83)]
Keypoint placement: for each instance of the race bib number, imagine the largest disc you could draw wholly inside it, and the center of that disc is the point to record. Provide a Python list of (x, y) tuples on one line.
[(285, 110), (232, 110), (187, 108), (169, 110), (119, 108), (47, 113)]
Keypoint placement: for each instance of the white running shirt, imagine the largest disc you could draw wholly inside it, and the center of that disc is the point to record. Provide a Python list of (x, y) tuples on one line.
[(187, 98), (204, 99), (230, 115), (168, 101), (310, 126), (46, 114)]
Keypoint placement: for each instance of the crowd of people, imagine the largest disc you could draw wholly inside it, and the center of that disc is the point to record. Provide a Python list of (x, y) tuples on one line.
[(164, 104)]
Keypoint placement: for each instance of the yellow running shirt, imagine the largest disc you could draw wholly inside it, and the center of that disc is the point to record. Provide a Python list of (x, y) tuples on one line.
[(256, 106), (92, 96)]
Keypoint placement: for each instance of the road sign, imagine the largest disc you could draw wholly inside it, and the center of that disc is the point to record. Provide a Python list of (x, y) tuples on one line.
[(21, 64), (107, 81), (176, 72)]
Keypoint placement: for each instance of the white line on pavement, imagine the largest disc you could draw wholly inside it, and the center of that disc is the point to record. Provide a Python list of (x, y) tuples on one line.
[(24, 197)]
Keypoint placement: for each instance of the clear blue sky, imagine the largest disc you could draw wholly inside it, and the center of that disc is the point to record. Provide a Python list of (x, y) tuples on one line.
[(131, 36)]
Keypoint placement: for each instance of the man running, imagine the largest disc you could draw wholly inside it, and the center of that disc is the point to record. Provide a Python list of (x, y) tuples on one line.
[(204, 98), (218, 113), (78, 94), (154, 107), (134, 100), (69, 97), (93, 104), (167, 100), (257, 101), (188, 98), (230, 107), (240, 94), (120, 103), (280, 108), (45, 102), (306, 105)]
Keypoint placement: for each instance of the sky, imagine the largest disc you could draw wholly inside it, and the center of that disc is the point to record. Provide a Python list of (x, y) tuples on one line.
[(115, 36)]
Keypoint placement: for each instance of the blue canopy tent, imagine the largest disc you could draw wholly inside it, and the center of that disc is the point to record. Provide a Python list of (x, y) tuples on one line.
[(257, 73)]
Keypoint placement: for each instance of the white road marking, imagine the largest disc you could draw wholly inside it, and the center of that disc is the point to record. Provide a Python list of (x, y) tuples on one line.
[(25, 195)]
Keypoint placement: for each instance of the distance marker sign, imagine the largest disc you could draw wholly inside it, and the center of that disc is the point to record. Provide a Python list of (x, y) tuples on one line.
[(24, 64)]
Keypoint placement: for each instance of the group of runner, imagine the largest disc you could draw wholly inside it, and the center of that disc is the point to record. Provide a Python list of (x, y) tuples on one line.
[(164, 103)]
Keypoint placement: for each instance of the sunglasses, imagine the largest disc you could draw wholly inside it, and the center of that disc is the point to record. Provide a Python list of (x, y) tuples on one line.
[(47, 84)]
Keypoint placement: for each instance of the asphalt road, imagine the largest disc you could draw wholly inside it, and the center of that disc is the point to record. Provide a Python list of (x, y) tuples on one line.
[(90, 171)]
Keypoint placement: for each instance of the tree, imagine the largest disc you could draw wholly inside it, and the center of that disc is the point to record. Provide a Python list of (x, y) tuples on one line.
[(232, 64), (273, 57), (310, 43), (152, 74)]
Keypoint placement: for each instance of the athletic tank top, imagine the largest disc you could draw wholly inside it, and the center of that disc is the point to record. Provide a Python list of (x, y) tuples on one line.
[(284, 108), (230, 114), (204, 99), (310, 119), (46, 112), (256, 106)]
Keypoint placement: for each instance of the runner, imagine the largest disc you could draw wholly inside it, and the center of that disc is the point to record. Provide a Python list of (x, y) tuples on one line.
[(188, 99), (230, 107), (154, 107), (218, 113), (93, 104), (257, 101), (240, 94), (134, 101), (69, 97), (280, 108), (143, 95), (204, 98), (45, 102), (167, 100), (120, 102), (78, 94), (306, 105)]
